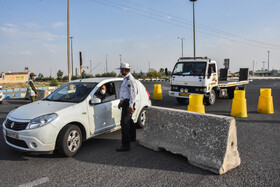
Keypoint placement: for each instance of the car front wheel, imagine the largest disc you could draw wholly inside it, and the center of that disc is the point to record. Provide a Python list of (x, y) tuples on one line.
[(69, 140)]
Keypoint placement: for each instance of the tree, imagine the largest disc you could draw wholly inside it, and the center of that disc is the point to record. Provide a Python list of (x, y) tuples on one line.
[(135, 75), (59, 74), (84, 74), (154, 74), (65, 78), (40, 77), (54, 82)]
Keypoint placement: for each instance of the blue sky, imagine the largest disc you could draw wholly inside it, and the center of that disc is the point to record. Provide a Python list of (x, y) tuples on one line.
[(33, 33)]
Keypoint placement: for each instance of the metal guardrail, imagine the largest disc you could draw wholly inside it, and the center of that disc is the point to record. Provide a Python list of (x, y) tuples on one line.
[(20, 92)]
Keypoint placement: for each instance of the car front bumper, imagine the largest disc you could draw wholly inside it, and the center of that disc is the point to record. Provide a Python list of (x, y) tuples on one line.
[(42, 139)]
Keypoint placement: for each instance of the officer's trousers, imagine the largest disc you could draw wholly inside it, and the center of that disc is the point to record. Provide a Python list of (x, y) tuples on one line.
[(128, 126), (33, 98)]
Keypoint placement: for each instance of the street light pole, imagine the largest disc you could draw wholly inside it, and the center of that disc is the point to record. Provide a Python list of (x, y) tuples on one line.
[(182, 45), (72, 55), (193, 29), (68, 41)]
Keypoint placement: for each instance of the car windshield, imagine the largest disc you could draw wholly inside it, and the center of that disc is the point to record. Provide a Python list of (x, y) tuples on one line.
[(74, 92), (189, 68)]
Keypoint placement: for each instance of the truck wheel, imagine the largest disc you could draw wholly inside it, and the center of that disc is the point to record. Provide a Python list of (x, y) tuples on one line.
[(141, 122), (181, 100), (212, 98), (69, 140)]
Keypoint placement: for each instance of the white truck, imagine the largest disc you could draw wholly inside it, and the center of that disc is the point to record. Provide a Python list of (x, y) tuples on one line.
[(199, 75)]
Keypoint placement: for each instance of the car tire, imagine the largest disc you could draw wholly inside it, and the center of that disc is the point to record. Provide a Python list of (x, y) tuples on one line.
[(69, 140), (181, 100), (212, 98), (141, 122)]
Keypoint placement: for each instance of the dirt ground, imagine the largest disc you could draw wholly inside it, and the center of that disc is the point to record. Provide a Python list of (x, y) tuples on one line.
[(23, 85)]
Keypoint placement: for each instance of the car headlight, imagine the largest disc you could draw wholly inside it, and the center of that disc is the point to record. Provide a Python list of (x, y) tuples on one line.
[(41, 121)]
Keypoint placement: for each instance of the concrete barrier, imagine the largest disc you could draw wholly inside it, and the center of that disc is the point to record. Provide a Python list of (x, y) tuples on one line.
[(208, 141), (42, 94)]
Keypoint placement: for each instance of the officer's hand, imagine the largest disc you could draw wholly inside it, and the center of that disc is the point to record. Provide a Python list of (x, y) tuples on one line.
[(120, 105), (131, 110)]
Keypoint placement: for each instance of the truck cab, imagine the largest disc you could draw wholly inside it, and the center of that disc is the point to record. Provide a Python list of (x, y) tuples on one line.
[(197, 75)]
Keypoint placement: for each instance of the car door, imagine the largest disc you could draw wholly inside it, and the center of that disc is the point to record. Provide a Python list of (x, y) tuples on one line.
[(104, 115)]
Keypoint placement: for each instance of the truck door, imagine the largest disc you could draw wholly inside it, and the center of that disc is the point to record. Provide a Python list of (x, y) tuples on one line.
[(212, 74)]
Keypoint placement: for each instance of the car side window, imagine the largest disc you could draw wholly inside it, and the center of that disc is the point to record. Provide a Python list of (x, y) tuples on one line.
[(109, 95), (118, 85)]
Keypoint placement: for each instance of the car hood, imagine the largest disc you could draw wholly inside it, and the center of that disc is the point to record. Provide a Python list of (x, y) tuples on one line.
[(39, 108)]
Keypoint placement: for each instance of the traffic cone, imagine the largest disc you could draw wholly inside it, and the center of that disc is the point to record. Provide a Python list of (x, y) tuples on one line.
[(157, 92), (239, 104), (196, 103), (265, 105)]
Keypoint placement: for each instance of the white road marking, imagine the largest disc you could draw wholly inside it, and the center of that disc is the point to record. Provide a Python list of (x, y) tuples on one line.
[(35, 182)]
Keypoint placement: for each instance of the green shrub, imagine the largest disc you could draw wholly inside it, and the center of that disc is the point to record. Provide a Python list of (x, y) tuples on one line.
[(54, 82)]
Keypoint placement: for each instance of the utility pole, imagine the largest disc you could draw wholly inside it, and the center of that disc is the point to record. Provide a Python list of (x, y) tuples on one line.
[(182, 45), (263, 65), (149, 66), (268, 60), (68, 40), (81, 65), (72, 56), (193, 28), (254, 68)]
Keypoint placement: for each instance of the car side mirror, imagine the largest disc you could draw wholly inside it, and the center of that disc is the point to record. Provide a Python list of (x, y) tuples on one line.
[(95, 101)]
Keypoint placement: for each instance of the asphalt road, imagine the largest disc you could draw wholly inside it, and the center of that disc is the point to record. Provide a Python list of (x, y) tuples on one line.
[(98, 164)]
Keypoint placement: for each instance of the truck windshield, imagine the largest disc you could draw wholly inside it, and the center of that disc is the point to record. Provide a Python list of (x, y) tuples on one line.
[(189, 68), (73, 92)]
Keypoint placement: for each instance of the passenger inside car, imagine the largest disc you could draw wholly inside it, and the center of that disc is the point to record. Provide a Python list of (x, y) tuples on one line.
[(106, 92)]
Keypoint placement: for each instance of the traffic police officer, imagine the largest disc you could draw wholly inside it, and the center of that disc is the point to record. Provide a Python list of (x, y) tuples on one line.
[(127, 102), (31, 90)]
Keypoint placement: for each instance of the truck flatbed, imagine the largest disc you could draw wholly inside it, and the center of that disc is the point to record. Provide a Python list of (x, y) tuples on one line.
[(231, 83)]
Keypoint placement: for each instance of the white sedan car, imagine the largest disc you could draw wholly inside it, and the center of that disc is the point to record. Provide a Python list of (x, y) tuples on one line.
[(70, 115)]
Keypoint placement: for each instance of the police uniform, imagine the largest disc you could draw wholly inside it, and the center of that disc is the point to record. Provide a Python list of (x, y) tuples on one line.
[(31, 90), (127, 96)]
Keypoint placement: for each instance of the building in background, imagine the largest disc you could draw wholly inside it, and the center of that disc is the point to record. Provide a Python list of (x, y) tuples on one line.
[(15, 77)]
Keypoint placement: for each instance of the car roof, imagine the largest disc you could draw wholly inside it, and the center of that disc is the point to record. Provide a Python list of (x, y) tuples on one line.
[(99, 79)]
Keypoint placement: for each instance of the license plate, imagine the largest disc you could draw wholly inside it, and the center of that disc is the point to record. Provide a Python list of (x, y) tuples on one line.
[(184, 94), (12, 134)]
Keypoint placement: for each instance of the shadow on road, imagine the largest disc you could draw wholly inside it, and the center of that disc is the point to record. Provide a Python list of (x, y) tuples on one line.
[(103, 151)]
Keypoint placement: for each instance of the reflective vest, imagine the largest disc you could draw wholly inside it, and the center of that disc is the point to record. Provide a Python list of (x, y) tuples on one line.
[(30, 91)]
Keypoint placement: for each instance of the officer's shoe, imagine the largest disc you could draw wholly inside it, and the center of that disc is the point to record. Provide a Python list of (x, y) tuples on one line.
[(123, 149)]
